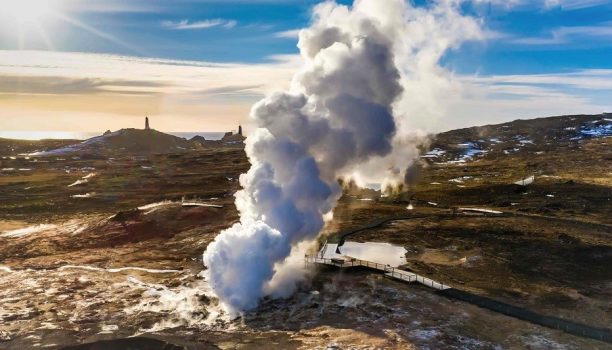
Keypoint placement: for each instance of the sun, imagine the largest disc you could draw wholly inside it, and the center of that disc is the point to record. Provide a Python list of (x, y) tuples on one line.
[(29, 21), (27, 10)]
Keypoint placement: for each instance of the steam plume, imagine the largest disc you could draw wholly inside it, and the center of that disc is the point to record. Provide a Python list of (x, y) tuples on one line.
[(342, 118)]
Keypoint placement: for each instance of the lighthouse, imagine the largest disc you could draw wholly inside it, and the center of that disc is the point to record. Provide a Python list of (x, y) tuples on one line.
[(147, 124)]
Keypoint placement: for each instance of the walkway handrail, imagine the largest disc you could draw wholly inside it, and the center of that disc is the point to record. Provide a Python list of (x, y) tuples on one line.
[(388, 270)]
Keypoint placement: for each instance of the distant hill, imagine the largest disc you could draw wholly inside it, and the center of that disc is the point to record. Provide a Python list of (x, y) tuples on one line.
[(517, 137), (127, 141)]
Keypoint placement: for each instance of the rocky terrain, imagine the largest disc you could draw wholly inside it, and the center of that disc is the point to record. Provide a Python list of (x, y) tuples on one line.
[(109, 247), (16, 147)]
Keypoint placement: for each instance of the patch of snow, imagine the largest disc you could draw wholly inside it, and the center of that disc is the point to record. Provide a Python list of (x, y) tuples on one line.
[(78, 182), (156, 205), (482, 210), (6, 269), (453, 162), (109, 328), (86, 195), (472, 150), (73, 227), (199, 204), (28, 230), (434, 153), (432, 203), (460, 179), (526, 181), (76, 147), (597, 131), (48, 325)]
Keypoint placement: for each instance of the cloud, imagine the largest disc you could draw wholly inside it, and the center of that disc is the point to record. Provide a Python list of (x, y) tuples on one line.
[(574, 4), (588, 79), (111, 89), (501, 98), (79, 91), (568, 34), (58, 72), (67, 86), (566, 5), (195, 25), (288, 34), (233, 90)]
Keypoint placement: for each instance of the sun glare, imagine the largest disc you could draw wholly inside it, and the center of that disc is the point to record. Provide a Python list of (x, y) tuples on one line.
[(27, 10)]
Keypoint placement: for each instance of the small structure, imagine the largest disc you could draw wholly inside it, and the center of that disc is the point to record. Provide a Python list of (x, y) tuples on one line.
[(147, 127), (230, 137)]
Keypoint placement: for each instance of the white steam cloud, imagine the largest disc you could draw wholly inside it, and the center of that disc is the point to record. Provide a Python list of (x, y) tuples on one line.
[(366, 69)]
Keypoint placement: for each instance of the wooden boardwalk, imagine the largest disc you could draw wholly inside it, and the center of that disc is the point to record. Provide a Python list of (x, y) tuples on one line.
[(389, 271), (567, 326), (602, 334)]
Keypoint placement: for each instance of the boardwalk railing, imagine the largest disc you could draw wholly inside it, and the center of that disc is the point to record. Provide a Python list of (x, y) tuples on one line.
[(389, 271)]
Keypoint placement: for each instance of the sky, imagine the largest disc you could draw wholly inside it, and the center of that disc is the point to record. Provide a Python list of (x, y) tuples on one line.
[(199, 65)]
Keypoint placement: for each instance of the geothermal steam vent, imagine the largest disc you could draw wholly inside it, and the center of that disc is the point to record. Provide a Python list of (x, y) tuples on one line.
[(338, 120)]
